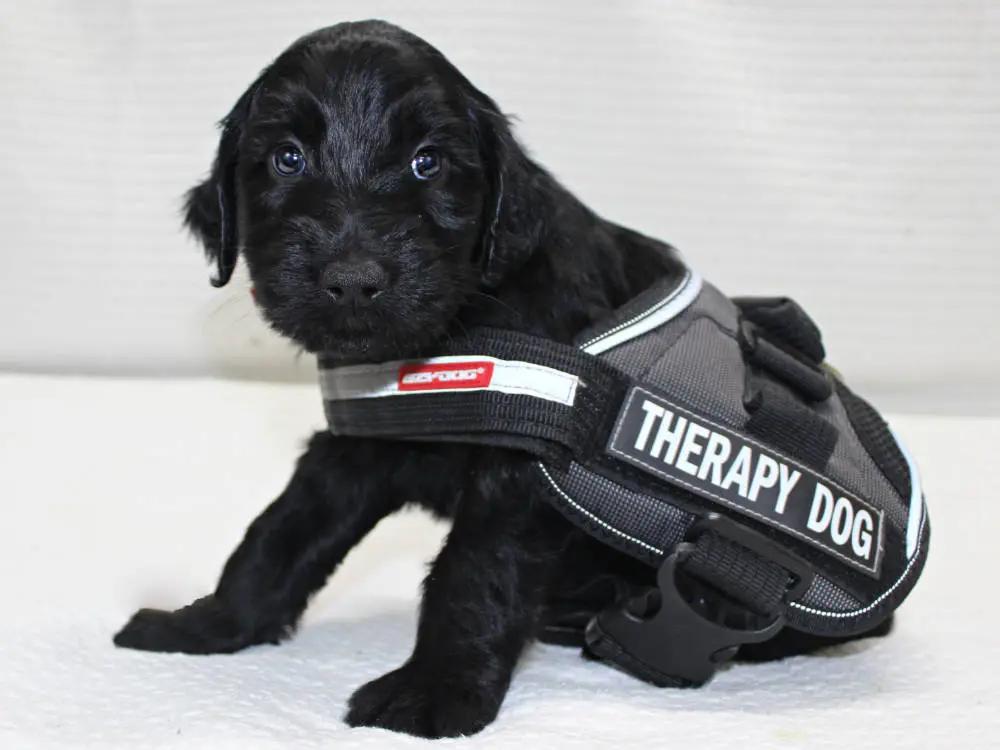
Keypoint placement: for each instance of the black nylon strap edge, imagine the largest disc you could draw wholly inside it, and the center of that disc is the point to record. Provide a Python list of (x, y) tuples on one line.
[(749, 579), (874, 434), (785, 320), (808, 381), (549, 430), (778, 418)]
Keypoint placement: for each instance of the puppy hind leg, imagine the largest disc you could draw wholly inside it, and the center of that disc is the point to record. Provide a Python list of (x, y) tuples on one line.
[(330, 503), (482, 603)]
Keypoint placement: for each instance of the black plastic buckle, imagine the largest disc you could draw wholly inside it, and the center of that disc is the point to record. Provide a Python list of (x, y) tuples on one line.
[(661, 638)]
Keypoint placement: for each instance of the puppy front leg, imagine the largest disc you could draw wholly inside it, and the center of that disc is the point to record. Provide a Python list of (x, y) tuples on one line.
[(334, 498), (481, 605)]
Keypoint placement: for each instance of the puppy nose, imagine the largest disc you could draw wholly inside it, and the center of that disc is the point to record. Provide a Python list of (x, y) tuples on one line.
[(357, 282)]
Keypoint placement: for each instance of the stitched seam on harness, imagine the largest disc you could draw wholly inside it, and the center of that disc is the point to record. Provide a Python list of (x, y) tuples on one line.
[(645, 313), (878, 601), (591, 516)]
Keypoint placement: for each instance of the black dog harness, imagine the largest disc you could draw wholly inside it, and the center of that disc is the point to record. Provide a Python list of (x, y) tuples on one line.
[(701, 434)]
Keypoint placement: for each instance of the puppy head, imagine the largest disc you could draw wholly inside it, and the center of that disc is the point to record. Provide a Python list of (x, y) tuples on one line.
[(365, 181)]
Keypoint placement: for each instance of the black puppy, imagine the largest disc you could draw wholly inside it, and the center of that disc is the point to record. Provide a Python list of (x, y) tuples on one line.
[(364, 180)]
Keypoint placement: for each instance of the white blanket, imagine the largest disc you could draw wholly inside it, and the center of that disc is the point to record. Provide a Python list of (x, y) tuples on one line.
[(121, 494)]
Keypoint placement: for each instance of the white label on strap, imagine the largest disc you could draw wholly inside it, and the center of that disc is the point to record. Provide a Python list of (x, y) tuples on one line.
[(447, 374), (665, 310)]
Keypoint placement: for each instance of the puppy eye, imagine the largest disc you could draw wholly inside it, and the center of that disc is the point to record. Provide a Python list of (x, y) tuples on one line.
[(288, 161), (427, 164)]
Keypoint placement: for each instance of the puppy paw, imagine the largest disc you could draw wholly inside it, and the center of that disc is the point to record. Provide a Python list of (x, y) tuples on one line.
[(203, 627), (425, 702)]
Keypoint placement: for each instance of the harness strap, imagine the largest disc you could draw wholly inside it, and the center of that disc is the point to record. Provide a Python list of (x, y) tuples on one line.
[(806, 379), (786, 321), (778, 418), (780, 346), (745, 577), (532, 394), (755, 587), (727, 588)]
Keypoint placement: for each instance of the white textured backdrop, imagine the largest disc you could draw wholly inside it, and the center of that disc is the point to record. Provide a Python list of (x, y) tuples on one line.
[(844, 153)]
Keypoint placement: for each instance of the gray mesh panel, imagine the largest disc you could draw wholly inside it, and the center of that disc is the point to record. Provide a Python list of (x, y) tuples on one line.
[(662, 525), (852, 467), (823, 594), (704, 369), (649, 519), (716, 305), (634, 357)]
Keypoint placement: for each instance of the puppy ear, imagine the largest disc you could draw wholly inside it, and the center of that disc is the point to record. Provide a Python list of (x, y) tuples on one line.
[(210, 207), (514, 213)]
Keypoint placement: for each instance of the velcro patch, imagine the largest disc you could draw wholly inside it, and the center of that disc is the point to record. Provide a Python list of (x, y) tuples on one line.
[(738, 472)]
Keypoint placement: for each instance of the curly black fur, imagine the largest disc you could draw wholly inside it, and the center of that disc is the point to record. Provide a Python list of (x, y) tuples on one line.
[(495, 239)]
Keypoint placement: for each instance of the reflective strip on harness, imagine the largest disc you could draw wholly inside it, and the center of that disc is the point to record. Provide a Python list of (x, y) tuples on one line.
[(914, 520), (673, 304), (453, 373), (687, 449), (498, 388)]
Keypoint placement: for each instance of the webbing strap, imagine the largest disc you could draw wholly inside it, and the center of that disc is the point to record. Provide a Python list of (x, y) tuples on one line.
[(529, 393), (786, 321), (782, 378), (808, 381), (784, 422), (742, 575), (712, 596), (550, 431)]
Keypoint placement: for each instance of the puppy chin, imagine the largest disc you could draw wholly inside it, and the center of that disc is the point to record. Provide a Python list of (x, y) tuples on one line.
[(356, 347), (387, 332)]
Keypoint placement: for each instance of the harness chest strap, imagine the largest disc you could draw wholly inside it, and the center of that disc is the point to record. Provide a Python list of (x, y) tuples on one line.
[(494, 388)]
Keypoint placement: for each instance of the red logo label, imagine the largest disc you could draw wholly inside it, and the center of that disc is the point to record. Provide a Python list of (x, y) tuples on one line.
[(445, 376)]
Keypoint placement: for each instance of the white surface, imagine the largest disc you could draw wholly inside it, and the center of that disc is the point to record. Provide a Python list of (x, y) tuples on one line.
[(121, 494), (846, 153)]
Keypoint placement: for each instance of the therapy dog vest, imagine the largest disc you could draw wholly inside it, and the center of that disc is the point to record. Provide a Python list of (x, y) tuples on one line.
[(701, 434)]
